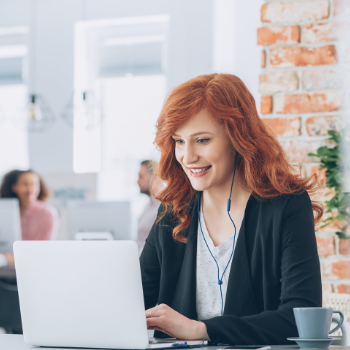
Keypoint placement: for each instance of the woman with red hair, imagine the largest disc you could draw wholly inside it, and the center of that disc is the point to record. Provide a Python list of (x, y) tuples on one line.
[(233, 250)]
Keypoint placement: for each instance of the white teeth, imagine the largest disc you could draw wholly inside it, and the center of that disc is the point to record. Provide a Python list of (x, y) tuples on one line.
[(199, 170)]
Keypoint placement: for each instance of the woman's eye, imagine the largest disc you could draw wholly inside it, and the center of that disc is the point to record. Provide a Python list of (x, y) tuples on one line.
[(203, 140), (178, 141)]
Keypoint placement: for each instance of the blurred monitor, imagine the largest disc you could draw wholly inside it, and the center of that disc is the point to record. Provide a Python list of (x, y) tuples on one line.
[(10, 223), (89, 220)]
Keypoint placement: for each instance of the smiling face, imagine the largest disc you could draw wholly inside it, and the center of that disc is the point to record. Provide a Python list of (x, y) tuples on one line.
[(27, 187), (204, 152)]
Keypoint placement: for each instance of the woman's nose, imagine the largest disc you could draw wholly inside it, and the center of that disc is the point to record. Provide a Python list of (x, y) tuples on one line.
[(190, 156)]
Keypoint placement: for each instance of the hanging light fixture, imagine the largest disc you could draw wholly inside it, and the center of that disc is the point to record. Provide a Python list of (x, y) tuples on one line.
[(89, 112), (37, 115), (83, 111), (34, 112)]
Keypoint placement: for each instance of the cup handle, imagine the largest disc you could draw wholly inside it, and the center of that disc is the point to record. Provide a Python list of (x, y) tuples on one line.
[(340, 322)]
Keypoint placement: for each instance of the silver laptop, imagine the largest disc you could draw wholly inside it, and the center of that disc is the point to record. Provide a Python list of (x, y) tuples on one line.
[(83, 294)]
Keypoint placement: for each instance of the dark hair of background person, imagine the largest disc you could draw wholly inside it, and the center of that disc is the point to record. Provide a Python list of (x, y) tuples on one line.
[(11, 178), (151, 166)]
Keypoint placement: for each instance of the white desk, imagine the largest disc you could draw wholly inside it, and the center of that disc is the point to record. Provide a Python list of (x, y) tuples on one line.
[(15, 342)]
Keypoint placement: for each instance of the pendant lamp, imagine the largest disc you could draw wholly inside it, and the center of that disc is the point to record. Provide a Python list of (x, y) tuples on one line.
[(83, 111), (37, 115)]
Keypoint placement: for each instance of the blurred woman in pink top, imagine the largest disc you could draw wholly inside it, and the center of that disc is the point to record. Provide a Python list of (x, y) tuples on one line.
[(39, 220)]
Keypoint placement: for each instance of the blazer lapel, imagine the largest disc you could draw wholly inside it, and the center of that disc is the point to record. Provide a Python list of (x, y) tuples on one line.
[(240, 299)]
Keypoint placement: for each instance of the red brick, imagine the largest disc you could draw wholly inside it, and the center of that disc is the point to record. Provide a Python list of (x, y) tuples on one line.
[(320, 79), (280, 81), (303, 56), (344, 246), (266, 105), (343, 288), (320, 173), (308, 103), (297, 151), (320, 32), (341, 269), (295, 11), (263, 59), (284, 127), (341, 7), (325, 246), (319, 126), (326, 269), (327, 288), (278, 35)]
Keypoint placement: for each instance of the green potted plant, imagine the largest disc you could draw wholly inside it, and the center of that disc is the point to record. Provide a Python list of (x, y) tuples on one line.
[(338, 206)]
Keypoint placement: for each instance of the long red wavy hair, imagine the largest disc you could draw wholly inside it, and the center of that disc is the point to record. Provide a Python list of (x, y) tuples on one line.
[(261, 160)]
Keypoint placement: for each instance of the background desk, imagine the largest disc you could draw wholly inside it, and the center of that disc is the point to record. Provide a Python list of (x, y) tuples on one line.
[(15, 342)]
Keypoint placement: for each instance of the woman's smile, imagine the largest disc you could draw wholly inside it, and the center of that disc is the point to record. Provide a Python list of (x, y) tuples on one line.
[(196, 172)]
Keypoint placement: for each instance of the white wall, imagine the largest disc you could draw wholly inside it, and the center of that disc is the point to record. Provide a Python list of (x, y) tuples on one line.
[(235, 41), (190, 52), (248, 53), (52, 49)]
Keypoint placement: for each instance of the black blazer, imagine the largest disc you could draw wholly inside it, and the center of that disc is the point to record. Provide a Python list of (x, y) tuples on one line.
[(275, 267)]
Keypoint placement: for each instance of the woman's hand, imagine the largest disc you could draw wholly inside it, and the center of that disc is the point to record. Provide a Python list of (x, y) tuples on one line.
[(10, 258), (163, 318)]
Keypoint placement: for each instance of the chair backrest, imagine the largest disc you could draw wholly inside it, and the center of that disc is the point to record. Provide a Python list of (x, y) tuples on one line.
[(340, 302)]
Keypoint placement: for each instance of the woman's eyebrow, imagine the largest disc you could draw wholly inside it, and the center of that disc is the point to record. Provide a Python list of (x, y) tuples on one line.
[(195, 134)]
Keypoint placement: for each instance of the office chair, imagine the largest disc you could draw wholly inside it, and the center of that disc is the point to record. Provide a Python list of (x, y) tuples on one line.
[(10, 316), (339, 302)]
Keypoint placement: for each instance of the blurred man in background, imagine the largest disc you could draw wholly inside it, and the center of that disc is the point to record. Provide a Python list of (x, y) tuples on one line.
[(147, 180)]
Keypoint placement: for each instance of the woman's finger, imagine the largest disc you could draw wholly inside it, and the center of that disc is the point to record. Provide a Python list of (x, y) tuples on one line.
[(155, 321), (152, 312), (149, 314), (159, 328), (156, 311)]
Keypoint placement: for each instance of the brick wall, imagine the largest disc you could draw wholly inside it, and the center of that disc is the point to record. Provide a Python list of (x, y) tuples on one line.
[(305, 75)]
